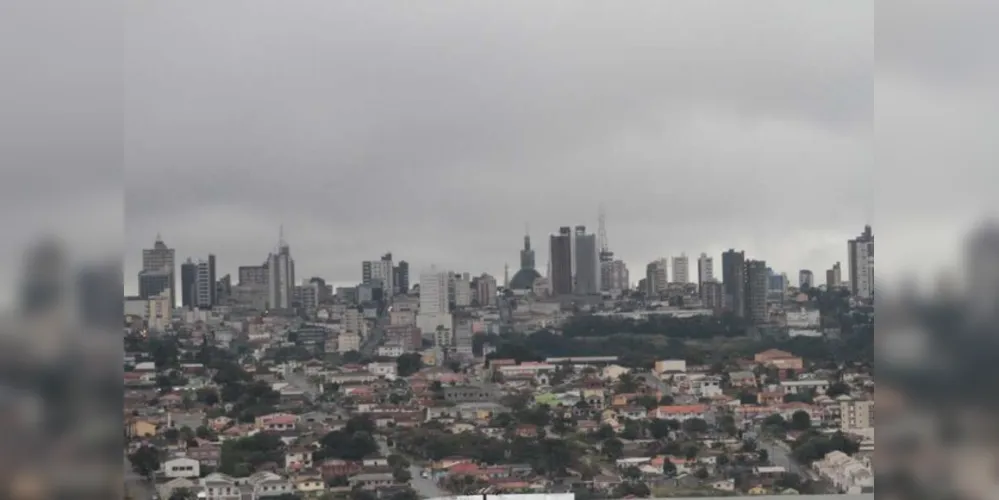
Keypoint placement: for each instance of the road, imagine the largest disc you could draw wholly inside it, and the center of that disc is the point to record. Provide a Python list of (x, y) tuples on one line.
[(423, 487), (135, 485)]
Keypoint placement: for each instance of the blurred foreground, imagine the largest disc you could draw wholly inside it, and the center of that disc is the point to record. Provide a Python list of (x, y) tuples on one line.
[(60, 380), (938, 373)]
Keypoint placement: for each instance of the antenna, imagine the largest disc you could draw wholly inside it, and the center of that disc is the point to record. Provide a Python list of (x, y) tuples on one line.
[(605, 254), (281, 242)]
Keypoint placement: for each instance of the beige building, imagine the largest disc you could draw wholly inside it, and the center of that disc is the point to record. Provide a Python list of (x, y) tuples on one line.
[(856, 414), (348, 341)]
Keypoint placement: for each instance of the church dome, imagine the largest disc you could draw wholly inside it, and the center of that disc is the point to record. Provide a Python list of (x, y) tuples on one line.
[(524, 279)]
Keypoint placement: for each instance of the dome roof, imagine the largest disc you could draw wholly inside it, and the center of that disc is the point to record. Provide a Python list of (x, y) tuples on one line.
[(524, 279)]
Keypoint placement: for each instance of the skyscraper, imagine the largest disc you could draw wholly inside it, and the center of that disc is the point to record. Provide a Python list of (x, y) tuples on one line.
[(681, 269), (834, 277), (158, 260), (656, 278), (806, 279), (587, 263), (281, 278), (861, 254), (401, 277), (379, 271), (705, 270), (205, 290), (561, 261), (734, 281), (188, 273), (757, 284), (614, 276)]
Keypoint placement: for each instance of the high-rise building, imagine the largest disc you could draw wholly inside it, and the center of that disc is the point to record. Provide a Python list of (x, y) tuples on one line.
[(656, 278), (861, 254), (806, 279), (153, 283), (401, 277), (188, 273), (204, 283), (435, 309), (587, 263), (561, 261), (463, 335), (460, 288), (223, 289), (485, 290), (614, 276), (681, 269), (158, 259), (713, 295), (757, 285), (379, 270), (705, 269), (254, 275), (734, 281), (281, 278), (834, 277)]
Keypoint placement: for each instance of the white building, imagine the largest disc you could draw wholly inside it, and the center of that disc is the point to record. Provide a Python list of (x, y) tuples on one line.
[(856, 414), (181, 467), (281, 278), (435, 311), (681, 269), (705, 269), (382, 270), (159, 313), (846, 473), (387, 370)]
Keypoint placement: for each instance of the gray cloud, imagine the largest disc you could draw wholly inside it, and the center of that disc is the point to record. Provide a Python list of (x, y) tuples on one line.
[(436, 130)]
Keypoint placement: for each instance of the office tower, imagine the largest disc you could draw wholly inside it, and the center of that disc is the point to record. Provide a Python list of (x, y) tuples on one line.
[(44, 278), (281, 278), (401, 277), (561, 261), (460, 289), (153, 283), (834, 277), (381, 270), (223, 289), (485, 290), (587, 263), (253, 275), (757, 284), (734, 281), (681, 269), (614, 276), (713, 295), (805, 279), (656, 278), (204, 283), (188, 273), (160, 259), (861, 253), (705, 269)]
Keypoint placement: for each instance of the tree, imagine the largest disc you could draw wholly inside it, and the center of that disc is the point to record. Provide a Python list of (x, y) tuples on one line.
[(145, 461), (613, 448), (837, 389), (401, 475), (632, 473), (800, 421), (695, 425), (701, 473), (397, 461), (647, 402), (669, 469), (658, 428)]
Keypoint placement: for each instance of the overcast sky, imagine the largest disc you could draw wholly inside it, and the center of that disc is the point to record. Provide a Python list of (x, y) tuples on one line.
[(437, 130)]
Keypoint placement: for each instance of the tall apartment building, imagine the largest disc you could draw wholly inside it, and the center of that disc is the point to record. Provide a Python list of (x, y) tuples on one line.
[(435, 309), (806, 279), (308, 294), (281, 278), (614, 276), (485, 290), (681, 269), (757, 286), (705, 269), (861, 253), (560, 261), (463, 335), (188, 274), (856, 414), (401, 277), (158, 260), (587, 263), (656, 278), (734, 281), (460, 288), (254, 275), (205, 291), (380, 272), (834, 277), (713, 295)]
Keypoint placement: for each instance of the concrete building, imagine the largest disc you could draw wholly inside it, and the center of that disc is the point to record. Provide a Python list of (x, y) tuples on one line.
[(806, 279), (435, 310), (281, 278), (734, 281), (205, 291), (681, 269), (253, 275), (380, 272), (561, 261), (188, 274), (656, 278), (587, 263), (614, 276), (460, 288), (834, 277), (160, 260), (856, 414), (757, 285), (861, 253), (705, 269), (401, 277), (152, 283), (463, 335), (485, 291), (713, 295)]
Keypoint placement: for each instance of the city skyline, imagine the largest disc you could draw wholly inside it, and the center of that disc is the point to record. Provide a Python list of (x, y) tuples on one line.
[(415, 268)]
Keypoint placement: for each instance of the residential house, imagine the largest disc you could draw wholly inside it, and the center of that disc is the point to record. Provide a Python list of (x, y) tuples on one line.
[(679, 412), (372, 481), (268, 484), (218, 486), (276, 422), (181, 467)]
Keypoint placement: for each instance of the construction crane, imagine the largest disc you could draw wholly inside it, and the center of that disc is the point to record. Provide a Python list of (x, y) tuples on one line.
[(605, 254)]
